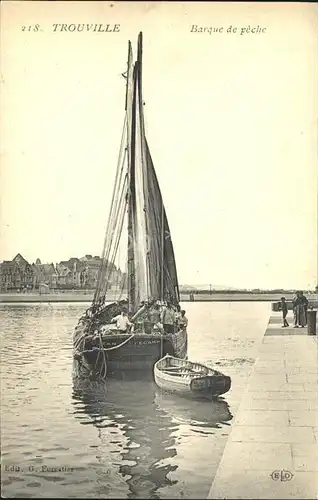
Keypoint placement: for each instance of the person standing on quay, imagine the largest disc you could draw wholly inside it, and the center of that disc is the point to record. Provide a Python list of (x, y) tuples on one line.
[(303, 306), (300, 306), (296, 309), (284, 308)]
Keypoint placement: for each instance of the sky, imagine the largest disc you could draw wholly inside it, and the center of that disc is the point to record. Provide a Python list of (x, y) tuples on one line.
[(231, 121)]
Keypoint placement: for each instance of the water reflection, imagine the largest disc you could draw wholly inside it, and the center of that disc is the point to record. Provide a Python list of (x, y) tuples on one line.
[(139, 424), (144, 432), (203, 413), (126, 440)]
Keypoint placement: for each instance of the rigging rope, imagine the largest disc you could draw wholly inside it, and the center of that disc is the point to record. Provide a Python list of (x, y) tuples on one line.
[(120, 218), (111, 220), (101, 345), (124, 278), (120, 215), (107, 262), (117, 177)]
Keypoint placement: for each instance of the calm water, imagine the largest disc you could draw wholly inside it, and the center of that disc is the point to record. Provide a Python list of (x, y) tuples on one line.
[(125, 439)]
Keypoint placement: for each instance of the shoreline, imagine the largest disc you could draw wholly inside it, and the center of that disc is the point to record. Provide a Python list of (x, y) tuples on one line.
[(6, 298)]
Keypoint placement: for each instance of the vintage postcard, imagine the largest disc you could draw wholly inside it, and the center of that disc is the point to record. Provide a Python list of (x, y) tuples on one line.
[(158, 250)]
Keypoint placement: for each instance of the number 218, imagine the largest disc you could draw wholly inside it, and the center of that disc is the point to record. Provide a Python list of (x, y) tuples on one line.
[(31, 27)]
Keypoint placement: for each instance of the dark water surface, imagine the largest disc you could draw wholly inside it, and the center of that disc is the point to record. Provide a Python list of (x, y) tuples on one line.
[(124, 439)]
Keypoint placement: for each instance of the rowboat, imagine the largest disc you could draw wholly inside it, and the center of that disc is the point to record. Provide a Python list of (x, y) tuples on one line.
[(189, 379), (138, 245)]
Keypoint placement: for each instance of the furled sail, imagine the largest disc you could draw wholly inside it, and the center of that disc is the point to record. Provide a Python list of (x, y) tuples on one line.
[(138, 290), (132, 223)]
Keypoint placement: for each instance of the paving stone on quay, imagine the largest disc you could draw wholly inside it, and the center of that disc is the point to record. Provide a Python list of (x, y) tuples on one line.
[(271, 452)]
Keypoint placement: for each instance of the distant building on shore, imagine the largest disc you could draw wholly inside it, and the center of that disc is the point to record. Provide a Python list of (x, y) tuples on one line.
[(74, 273), (16, 274), (45, 274), (92, 264)]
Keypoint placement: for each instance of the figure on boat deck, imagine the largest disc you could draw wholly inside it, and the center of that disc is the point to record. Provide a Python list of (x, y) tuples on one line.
[(183, 321), (122, 322), (168, 318), (177, 314), (152, 321)]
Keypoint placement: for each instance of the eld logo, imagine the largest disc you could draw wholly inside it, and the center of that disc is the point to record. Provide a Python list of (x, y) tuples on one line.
[(281, 475)]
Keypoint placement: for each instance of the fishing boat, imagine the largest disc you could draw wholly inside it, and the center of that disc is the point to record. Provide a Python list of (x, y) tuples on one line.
[(137, 226), (190, 379)]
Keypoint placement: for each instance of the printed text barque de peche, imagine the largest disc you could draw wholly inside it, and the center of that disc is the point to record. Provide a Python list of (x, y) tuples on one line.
[(242, 30)]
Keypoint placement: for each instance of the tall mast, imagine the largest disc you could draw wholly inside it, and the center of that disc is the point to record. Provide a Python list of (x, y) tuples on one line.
[(130, 105), (162, 252)]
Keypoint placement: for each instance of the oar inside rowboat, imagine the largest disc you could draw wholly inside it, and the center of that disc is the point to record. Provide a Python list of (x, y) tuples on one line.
[(183, 368), (182, 371), (176, 368), (187, 374)]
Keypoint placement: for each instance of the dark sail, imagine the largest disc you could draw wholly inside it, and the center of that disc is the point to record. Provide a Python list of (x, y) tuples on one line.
[(162, 261)]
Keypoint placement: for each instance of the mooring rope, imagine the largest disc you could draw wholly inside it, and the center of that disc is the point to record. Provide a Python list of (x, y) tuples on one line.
[(101, 345)]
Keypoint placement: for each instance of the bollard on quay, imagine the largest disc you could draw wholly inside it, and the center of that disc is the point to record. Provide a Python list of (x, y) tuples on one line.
[(276, 306), (311, 322)]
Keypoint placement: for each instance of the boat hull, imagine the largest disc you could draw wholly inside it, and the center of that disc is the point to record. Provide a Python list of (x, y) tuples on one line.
[(209, 385), (125, 353), (139, 353)]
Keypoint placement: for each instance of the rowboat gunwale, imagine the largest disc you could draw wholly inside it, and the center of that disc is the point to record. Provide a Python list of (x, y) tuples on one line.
[(181, 362), (184, 383)]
